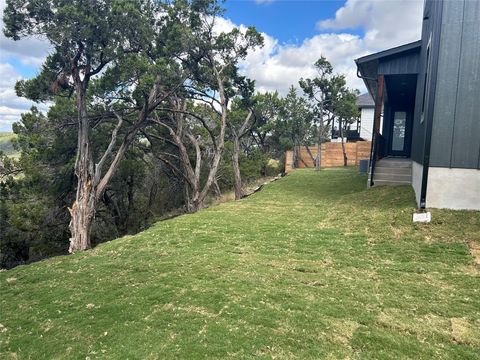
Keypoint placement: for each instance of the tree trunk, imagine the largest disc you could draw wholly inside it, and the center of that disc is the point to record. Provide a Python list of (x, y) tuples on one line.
[(195, 194), (216, 188), (212, 174), (345, 160), (318, 164), (236, 169), (295, 156), (310, 153), (82, 211), (152, 195), (194, 203)]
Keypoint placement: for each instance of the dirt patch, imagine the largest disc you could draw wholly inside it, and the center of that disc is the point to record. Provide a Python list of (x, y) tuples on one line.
[(423, 327), (343, 330), (463, 332), (475, 251), (305, 270), (314, 283)]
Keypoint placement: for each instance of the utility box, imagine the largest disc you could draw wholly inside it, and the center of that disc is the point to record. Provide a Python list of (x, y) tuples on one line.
[(363, 166)]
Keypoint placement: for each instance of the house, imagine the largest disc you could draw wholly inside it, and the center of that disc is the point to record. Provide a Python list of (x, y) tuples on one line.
[(362, 128), (366, 106), (428, 94)]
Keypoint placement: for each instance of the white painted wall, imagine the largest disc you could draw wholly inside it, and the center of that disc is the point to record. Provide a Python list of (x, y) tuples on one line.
[(457, 189), (366, 123), (417, 172)]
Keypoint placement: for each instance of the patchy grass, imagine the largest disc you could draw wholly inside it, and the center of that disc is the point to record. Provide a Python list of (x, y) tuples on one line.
[(313, 266)]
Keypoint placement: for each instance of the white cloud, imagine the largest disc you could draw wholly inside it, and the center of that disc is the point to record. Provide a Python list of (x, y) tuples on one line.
[(12, 106), (385, 23), (276, 66), (29, 51), (264, 1)]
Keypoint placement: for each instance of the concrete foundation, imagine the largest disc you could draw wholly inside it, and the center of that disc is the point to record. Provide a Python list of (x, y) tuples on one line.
[(417, 172), (457, 189)]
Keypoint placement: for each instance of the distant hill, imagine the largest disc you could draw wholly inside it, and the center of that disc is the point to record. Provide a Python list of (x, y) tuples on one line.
[(6, 143)]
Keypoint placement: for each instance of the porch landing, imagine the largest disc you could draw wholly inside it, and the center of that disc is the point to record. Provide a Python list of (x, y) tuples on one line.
[(393, 171)]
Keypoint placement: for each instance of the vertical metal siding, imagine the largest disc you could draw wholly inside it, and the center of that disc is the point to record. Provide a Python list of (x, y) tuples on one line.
[(406, 64), (447, 84), (466, 134), (418, 135)]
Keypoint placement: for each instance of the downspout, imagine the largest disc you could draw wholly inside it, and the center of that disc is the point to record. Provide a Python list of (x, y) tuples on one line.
[(365, 77), (430, 107), (374, 138)]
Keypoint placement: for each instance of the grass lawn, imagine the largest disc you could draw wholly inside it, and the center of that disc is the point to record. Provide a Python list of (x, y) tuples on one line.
[(313, 266)]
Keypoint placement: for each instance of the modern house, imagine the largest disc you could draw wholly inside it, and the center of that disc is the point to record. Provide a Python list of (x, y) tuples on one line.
[(362, 128), (428, 95)]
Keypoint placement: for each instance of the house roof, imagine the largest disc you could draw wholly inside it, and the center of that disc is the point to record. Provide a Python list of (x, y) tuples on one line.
[(365, 101), (389, 52)]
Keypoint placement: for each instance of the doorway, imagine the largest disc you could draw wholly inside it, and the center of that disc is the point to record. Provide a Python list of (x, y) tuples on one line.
[(400, 138)]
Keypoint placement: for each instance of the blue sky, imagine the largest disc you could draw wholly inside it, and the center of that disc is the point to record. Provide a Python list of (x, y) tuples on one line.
[(25, 70), (296, 33), (290, 21)]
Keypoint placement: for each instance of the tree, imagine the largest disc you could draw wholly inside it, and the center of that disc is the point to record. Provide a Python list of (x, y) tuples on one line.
[(36, 194), (86, 36), (241, 120), (198, 113), (319, 91), (345, 110), (266, 108), (294, 123)]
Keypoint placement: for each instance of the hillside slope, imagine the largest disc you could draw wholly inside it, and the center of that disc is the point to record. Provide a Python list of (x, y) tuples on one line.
[(6, 145), (313, 266)]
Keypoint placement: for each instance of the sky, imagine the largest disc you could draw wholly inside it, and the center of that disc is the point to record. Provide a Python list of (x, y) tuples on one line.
[(296, 33)]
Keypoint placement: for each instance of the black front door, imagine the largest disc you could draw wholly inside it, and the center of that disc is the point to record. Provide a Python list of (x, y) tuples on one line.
[(400, 133)]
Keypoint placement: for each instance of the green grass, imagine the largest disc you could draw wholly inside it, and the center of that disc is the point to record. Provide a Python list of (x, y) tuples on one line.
[(313, 266), (6, 144)]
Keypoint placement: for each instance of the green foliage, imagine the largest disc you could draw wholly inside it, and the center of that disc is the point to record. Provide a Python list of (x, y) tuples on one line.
[(329, 97), (253, 166), (280, 274), (34, 205), (294, 126), (90, 32)]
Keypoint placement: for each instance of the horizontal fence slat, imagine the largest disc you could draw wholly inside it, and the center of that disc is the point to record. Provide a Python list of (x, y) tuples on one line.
[(331, 154)]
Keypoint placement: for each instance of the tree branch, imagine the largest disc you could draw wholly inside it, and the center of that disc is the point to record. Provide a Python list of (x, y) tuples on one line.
[(108, 151)]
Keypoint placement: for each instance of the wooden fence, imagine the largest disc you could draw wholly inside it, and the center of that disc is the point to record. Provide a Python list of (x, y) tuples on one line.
[(332, 155)]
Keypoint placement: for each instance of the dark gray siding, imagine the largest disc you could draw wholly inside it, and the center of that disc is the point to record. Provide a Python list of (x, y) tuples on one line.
[(456, 121), (447, 83), (430, 29), (406, 64)]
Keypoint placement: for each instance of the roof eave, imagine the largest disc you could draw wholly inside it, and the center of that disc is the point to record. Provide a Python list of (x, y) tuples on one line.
[(389, 52)]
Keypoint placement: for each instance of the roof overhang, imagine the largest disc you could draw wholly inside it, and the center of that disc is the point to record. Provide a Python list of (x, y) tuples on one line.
[(402, 59)]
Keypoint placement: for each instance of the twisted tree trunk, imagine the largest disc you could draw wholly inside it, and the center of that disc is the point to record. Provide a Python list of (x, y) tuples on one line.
[(91, 185), (237, 136), (82, 211), (237, 177)]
